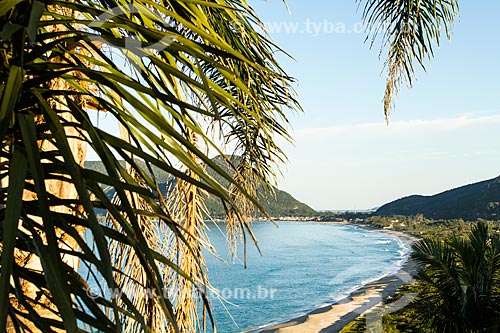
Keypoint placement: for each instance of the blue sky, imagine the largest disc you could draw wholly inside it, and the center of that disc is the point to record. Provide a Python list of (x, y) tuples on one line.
[(444, 132)]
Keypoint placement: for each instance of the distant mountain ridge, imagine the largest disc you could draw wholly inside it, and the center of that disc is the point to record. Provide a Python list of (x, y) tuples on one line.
[(279, 204), (469, 202)]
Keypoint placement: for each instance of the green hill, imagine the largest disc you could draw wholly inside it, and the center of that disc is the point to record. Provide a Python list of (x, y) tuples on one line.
[(279, 204), (469, 202)]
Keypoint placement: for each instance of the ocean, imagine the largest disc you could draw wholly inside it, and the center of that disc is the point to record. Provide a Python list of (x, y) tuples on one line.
[(303, 266)]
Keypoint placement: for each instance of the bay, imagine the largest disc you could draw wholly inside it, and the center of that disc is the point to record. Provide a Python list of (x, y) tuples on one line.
[(303, 266)]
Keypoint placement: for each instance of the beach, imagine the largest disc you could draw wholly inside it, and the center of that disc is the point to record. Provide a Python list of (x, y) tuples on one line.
[(332, 318)]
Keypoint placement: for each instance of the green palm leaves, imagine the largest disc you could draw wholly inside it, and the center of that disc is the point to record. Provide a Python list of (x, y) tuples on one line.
[(167, 72), (461, 280), (408, 28)]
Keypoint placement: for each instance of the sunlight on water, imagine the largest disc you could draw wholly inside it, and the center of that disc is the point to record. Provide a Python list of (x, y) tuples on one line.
[(303, 266)]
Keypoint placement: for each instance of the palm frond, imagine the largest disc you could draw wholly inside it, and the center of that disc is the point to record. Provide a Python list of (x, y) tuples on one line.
[(408, 29), (61, 62), (460, 276)]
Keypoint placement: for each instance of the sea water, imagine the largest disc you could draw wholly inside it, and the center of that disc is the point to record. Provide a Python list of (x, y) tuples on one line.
[(303, 266)]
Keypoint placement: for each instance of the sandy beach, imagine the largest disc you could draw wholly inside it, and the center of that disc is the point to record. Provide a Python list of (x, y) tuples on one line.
[(333, 318)]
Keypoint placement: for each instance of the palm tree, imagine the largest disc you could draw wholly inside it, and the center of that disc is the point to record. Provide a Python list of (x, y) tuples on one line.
[(182, 83), (460, 282), (183, 79)]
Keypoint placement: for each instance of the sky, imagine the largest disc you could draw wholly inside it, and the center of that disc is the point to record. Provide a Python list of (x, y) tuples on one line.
[(444, 132)]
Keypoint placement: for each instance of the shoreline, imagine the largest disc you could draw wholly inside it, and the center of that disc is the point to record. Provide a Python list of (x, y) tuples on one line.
[(333, 317)]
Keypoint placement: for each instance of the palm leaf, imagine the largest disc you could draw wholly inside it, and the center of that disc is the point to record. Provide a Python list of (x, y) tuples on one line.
[(408, 30), (161, 70), (460, 281)]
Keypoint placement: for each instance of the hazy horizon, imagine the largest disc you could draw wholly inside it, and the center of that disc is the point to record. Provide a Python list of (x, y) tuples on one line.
[(443, 133)]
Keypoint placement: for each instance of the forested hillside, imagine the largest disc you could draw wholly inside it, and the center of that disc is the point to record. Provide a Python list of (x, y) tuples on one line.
[(279, 203), (469, 202)]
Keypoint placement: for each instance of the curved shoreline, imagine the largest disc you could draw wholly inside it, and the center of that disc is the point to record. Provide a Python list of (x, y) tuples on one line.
[(333, 317)]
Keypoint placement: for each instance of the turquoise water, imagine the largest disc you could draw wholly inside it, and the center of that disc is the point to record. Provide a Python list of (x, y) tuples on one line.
[(304, 265)]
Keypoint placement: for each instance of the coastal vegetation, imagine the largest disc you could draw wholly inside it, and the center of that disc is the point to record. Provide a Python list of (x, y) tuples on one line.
[(458, 258), (460, 280), (458, 285)]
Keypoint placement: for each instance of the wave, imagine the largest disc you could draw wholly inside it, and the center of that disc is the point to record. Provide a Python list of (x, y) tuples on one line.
[(403, 255), (338, 284)]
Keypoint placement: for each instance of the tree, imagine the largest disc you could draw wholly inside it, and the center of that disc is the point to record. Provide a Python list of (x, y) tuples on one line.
[(180, 81), (460, 282), (182, 78)]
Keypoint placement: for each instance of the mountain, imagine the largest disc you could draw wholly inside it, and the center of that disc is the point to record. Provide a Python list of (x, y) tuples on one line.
[(469, 202), (279, 204)]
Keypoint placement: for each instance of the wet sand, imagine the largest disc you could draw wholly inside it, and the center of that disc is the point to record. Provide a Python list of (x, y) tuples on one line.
[(333, 318)]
